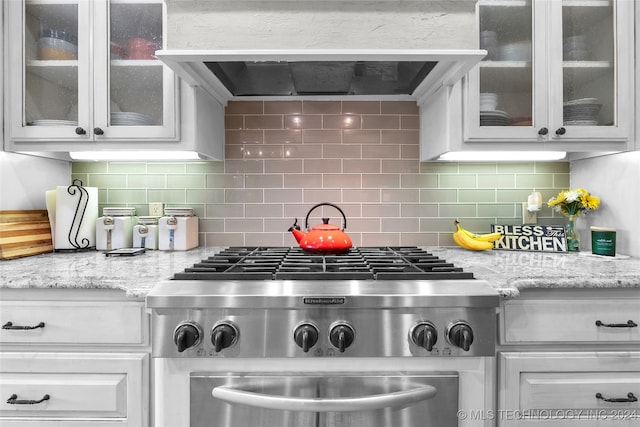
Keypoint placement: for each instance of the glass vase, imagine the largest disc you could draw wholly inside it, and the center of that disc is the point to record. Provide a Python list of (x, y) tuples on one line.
[(573, 236)]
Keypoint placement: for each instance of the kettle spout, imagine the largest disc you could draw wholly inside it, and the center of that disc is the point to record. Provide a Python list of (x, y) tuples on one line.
[(295, 229)]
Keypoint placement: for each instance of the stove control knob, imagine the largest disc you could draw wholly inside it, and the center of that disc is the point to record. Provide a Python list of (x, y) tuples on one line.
[(224, 334), (460, 334), (306, 335), (341, 335), (424, 335), (187, 335)]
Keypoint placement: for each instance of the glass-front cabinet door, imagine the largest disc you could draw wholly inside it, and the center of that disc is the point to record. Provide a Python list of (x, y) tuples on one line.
[(86, 71), (555, 70), (590, 50)]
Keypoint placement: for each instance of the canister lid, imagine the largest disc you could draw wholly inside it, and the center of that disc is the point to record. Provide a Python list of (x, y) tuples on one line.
[(602, 229), (118, 211), (179, 212), (148, 220)]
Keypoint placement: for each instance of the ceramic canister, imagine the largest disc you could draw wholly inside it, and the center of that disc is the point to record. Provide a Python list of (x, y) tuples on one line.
[(178, 230), (114, 229), (145, 233)]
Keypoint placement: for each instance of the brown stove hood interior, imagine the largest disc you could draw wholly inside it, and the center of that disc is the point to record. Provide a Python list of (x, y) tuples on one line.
[(321, 74)]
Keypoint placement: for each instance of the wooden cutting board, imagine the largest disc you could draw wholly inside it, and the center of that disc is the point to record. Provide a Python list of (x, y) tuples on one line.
[(24, 233)]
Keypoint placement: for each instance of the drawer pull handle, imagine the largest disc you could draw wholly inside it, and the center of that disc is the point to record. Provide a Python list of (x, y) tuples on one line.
[(630, 398), (629, 324), (13, 400), (10, 325)]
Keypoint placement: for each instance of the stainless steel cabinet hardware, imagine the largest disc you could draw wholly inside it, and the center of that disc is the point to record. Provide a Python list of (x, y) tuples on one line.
[(630, 398)]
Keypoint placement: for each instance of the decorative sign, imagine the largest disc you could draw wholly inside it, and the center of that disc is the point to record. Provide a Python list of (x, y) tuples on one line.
[(537, 238)]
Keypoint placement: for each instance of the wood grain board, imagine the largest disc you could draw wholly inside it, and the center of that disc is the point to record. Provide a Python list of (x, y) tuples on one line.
[(24, 233)]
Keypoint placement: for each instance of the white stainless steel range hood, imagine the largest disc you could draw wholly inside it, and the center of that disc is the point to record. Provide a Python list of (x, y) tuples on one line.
[(380, 74)]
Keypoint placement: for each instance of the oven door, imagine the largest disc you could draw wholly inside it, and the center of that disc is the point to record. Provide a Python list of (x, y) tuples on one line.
[(334, 400)]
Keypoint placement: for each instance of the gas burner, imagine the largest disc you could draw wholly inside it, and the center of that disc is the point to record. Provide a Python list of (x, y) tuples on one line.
[(285, 263)]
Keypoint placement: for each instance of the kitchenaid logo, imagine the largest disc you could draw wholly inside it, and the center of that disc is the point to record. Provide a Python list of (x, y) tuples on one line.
[(324, 300)]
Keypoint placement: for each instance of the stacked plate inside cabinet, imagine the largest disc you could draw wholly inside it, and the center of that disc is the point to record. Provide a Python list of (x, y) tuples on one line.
[(122, 118), (581, 112), (494, 118), (179, 212), (53, 123)]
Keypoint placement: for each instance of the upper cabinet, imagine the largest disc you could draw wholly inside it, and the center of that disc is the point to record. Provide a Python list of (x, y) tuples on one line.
[(558, 76), (555, 71), (85, 72)]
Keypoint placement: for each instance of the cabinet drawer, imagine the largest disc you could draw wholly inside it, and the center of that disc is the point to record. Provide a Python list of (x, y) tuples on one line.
[(560, 388), (535, 321), (107, 387), (72, 322)]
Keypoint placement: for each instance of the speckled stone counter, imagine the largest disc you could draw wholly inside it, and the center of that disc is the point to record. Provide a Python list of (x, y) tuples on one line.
[(508, 272)]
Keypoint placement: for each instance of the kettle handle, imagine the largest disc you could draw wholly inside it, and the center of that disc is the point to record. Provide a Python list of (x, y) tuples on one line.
[(344, 218)]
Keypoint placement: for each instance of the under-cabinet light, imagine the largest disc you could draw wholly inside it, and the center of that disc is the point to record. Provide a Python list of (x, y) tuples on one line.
[(493, 156), (134, 155)]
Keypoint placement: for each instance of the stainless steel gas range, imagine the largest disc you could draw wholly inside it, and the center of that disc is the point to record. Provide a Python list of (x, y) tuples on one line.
[(382, 336)]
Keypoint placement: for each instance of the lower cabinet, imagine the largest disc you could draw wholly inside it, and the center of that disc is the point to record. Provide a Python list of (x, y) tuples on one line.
[(73, 389), (73, 358), (570, 358), (570, 388)]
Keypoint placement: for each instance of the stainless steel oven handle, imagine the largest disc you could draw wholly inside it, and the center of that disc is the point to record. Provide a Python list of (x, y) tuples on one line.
[(347, 404)]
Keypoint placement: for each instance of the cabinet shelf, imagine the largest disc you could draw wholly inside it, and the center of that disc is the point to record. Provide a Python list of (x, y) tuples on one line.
[(65, 73)]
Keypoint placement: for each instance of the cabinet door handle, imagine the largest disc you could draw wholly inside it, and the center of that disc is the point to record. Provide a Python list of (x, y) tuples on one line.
[(561, 131), (13, 400), (629, 324), (80, 131), (10, 325), (543, 131), (630, 398), (98, 131)]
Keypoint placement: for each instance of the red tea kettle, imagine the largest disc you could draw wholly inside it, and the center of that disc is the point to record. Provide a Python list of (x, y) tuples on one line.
[(322, 238)]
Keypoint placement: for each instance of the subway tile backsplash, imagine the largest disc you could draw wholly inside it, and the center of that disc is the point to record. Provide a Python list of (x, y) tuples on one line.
[(283, 157)]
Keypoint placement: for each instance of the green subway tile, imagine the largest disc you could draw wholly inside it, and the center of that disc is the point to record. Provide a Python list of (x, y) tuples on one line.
[(478, 196), (436, 225), (534, 180), (432, 167), (127, 167), (508, 167), (457, 210), (146, 181), (458, 181), (418, 181), (185, 181), (552, 167), (166, 167), (515, 196), (205, 196), (126, 196), (497, 181), (107, 180), (497, 210), (103, 196), (205, 167), (438, 196), (89, 167), (142, 209), (81, 176), (561, 180), (486, 168), (167, 196)]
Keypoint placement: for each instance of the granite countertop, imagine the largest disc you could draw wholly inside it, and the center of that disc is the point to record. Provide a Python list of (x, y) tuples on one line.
[(508, 272)]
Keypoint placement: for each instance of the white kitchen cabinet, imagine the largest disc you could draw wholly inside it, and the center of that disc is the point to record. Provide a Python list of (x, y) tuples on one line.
[(82, 356), (582, 389), (558, 76), (81, 75), (570, 358)]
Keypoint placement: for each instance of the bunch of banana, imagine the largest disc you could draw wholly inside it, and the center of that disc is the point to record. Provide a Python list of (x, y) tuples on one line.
[(475, 242)]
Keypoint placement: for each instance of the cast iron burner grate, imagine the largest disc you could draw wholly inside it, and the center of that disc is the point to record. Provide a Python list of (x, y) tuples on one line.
[(285, 263)]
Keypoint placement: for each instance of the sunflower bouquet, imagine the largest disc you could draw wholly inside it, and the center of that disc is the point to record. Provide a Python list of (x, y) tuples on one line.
[(574, 202)]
